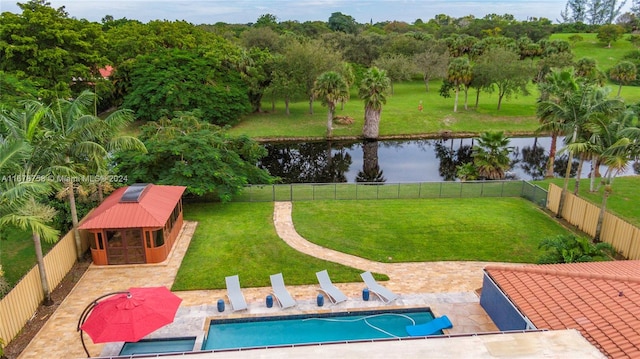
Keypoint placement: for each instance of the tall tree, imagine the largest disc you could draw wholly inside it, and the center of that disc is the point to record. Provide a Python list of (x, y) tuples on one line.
[(432, 63), (307, 60), (18, 205), (575, 11), (330, 88), (587, 68), (44, 45), (459, 74), (347, 73), (624, 72), (78, 141), (183, 150), (616, 156), (341, 22), (572, 103), (609, 33), (284, 84), (398, 67), (182, 80), (506, 71), (373, 91)]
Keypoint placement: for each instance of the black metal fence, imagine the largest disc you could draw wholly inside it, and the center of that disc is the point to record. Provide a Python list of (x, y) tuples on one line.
[(364, 190)]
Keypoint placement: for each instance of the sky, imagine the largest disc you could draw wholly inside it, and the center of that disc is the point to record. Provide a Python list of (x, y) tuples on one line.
[(247, 11)]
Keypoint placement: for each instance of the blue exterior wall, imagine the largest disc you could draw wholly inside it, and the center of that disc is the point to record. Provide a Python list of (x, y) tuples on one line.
[(500, 309)]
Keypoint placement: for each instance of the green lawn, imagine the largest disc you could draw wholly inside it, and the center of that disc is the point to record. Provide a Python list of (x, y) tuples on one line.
[(606, 57), (239, 238), (17, 254), (623, 201), (478, 229), (400, 116)]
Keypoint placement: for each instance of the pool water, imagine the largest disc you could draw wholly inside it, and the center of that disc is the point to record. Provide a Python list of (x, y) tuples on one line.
[(308, 329), (152, 346)]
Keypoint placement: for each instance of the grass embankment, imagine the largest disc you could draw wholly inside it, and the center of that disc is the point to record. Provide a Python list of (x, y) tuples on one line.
[(590, 46), (401, 118), (239, 238), (623, 201)]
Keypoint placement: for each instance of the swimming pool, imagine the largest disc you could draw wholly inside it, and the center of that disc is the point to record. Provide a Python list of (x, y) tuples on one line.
[(153, 346), (309, 329)]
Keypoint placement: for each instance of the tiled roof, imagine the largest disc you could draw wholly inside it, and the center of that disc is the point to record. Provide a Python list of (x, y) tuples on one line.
[(153, 209), (106, 71), (601, 299)]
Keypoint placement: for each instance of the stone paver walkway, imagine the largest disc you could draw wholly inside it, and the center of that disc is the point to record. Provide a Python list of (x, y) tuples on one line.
[(447, 287)]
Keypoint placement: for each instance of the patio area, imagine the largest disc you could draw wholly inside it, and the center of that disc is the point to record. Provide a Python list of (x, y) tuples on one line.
[(446, 287)]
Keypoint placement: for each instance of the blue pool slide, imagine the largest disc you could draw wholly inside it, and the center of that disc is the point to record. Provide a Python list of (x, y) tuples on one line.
[(429, 328)]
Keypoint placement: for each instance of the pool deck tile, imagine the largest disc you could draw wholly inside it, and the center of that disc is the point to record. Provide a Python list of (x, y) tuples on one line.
[(446, 287)]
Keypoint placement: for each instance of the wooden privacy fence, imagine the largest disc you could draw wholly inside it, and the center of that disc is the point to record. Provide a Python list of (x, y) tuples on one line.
[(20, 304), (623, 236)]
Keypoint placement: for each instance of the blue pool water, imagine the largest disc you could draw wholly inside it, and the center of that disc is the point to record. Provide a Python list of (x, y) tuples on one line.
[(152, 346), (308, 329)]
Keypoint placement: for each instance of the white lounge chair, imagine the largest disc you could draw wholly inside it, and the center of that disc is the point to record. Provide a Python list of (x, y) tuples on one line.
[(281, 293), (234, 293), (326, 286), (383, 293)]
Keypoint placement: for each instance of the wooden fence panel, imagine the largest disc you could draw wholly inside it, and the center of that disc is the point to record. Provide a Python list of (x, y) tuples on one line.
[(553, 198), (590, 224), (19, 305), (623, 236), (634, 248)]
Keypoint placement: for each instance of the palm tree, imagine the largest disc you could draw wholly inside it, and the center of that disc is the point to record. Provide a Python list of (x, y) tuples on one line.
[(491, 155), (459, 73), (624, 72), (83, 141), (556, 83), (571, 103), (34, 216), (18, 206), (330, 88), (617, 157), (349, 77), (373, 90)]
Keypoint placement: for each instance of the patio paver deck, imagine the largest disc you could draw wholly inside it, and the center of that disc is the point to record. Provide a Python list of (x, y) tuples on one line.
[(447, 287)]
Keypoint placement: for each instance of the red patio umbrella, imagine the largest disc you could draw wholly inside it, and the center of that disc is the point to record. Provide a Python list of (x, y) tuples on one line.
[(129, 316)]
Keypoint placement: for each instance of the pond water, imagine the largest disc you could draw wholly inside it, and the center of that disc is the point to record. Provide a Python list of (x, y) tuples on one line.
[(396, 161)]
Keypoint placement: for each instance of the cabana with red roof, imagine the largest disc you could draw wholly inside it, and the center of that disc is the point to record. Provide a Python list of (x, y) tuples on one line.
[(135, 224)]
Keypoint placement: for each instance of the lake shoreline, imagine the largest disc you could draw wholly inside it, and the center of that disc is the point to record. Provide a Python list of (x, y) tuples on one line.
[(421, 136)]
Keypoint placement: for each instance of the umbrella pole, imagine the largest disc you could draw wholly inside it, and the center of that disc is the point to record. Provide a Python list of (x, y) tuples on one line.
[(85, 314)]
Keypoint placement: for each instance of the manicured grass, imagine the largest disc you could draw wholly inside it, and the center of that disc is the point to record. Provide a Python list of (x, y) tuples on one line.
[(239, 238), (17, 254), (623, 201), (479, 229), (400, 116), (590, 46)]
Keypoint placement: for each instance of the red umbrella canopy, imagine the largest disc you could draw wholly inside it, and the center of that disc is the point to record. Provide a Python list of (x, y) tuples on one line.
[(129, 317)]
